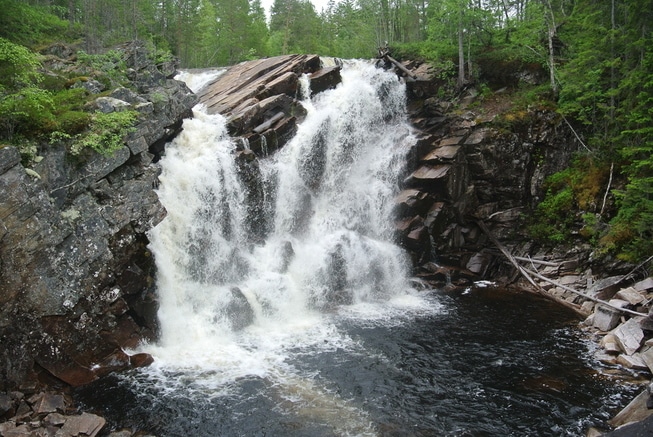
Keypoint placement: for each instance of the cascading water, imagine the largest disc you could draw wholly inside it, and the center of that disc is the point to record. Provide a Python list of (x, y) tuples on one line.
[(285, 308), (231, 306)]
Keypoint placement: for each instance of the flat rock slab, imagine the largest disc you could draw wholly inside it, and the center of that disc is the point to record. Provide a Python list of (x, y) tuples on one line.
[(84, 425), (644, 285), (49, 403), (629, 335), (632, 296), (254, 79), (444, 153), (636, 410)]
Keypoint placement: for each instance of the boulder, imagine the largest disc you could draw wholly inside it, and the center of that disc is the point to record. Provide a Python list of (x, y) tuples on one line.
[(86, 424), (644, 285), (629, 336), (605, 288), (239, 311), (478, 263), (48, 403), (636, 410), (647, 356), (412, 202), (631, 295), (633, 361), (141, 360), (324, 79)]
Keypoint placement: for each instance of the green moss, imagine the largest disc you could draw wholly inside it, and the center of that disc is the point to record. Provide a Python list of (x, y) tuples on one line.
[(106, 133)]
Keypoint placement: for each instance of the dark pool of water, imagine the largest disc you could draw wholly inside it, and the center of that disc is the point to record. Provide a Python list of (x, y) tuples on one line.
[(492, 363)]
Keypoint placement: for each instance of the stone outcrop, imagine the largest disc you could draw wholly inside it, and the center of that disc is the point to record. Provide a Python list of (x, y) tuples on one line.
[(75, 271), (464, 168), (260, 99)]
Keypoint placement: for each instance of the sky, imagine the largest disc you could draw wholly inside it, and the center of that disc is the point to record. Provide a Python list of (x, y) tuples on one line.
[(319, 5)]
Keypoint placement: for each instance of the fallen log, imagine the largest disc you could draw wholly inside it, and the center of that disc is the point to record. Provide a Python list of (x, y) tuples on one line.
[(586, 296), (268, 123), (538, 289), (537, 261), (528, 275)]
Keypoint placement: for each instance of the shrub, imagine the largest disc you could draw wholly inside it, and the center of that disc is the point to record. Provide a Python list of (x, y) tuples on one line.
[(26, 111)]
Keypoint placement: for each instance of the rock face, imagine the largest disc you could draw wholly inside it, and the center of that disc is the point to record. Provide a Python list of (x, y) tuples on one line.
[(464, 168), (75, 271)]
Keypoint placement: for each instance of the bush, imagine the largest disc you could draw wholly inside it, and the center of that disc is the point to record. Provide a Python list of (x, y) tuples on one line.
[(27, 111), (109, 68)]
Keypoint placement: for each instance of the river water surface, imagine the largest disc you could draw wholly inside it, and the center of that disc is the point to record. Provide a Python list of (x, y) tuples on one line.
[(296, 316)]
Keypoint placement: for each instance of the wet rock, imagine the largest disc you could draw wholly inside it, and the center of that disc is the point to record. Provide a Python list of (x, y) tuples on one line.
[(122, 433), (54, 419), (141, 360), (412, 202), (643, 428), (635, 411), (48, 403), (633, 361), (647, 356), (324, 79), (287, 253), (239, 311), (252, 92), (6, 406), (116, 361)]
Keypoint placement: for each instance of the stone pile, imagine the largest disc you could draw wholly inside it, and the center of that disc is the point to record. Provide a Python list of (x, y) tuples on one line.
[(44, 415)]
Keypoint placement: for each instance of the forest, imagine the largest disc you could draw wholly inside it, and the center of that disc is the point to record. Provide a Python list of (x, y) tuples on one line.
[(596, 56)]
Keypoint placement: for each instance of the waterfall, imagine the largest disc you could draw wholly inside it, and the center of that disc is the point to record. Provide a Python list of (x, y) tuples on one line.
[(242, 286)]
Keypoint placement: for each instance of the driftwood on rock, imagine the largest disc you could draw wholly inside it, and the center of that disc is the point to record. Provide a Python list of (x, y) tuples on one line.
[(529, 274), (384, 53)]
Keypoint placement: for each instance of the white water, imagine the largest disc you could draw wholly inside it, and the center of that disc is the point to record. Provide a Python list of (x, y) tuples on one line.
[(327, 255)]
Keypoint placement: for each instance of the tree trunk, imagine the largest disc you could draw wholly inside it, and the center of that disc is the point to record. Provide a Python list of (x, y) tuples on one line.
[(461, 50)]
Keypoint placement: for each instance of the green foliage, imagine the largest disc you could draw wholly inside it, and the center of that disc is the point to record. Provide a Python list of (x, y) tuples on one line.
[(18, 66), (109, 67), (571, 193), (552, 220), (31, 25), (106, 133), (24, 111)]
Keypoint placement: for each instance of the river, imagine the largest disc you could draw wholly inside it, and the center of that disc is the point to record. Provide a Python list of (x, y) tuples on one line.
[(296, 316)]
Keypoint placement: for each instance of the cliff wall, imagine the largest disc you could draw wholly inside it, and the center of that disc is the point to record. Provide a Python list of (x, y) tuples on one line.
[(75, 271)]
